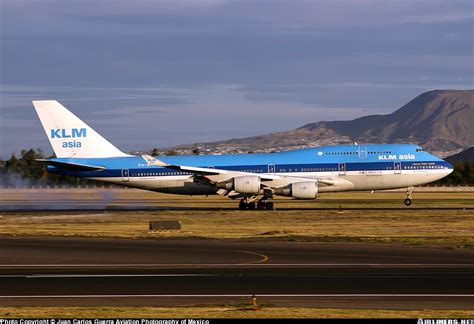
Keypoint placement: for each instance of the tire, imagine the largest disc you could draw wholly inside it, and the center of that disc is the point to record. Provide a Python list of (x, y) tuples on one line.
[(242, 205), (260, 205), (251, 205), (269, 205), (407, 202)]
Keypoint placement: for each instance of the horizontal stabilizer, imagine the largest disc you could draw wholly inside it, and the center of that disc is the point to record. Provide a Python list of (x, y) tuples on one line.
[(72, 166)]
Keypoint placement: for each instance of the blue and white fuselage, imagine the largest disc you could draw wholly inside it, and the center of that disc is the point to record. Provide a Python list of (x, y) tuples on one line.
[(299, 173)]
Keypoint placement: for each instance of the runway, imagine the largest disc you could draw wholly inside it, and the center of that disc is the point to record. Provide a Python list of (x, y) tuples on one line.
[(18, 209), (103, 200), (172, 272)]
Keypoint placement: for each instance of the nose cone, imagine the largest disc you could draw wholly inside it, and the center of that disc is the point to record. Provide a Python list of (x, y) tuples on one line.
[(449, 167)]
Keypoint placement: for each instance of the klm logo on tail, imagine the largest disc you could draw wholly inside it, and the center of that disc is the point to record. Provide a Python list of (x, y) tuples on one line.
[(72, 133)]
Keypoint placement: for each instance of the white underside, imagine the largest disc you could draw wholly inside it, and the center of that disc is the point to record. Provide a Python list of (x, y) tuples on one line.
[(349, 181)]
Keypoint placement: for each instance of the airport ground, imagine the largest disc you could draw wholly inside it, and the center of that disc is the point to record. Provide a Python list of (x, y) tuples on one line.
[(82, 252)]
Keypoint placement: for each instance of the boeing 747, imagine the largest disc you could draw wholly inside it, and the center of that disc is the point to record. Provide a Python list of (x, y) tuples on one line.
[(253, 178)]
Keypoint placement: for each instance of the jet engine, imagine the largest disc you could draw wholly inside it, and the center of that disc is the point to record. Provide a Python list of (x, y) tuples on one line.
[(299, 190), (243, 184)]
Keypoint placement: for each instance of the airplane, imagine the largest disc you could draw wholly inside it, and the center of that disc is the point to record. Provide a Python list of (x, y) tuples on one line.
[(254, 179)]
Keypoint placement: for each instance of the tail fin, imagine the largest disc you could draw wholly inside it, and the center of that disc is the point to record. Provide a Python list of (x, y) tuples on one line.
[(71, 137)]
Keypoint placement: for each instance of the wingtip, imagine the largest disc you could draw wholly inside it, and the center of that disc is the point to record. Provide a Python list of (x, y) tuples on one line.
[(153, 161)]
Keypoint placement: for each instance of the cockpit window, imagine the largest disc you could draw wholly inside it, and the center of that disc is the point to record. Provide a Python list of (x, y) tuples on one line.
[(419, 150)]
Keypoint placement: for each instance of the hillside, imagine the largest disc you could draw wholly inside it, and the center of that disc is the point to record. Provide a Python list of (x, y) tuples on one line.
[(440, 120), (437, 120), (466, 156)]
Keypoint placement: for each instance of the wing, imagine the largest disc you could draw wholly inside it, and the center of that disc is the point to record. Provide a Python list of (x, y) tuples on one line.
[(219, 175)]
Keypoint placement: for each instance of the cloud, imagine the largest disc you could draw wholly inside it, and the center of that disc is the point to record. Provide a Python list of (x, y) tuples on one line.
[(198, 70), (284, 14)]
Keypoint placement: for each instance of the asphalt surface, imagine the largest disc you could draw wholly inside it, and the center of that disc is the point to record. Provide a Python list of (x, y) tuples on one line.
[(78, 205), (74, 208), (84, 271)]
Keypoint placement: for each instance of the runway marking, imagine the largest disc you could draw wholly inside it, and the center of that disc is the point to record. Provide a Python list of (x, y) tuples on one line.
[(237, 295), (257, 263), (107, 275), (264, 257)]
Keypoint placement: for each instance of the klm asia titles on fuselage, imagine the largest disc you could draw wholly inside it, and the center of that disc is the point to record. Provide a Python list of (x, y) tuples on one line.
[(400, 157), (253, 178)]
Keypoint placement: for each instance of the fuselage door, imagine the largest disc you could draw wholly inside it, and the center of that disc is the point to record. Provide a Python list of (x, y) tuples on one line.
[(271, 168), (125, 175), (342, 168), (362, 152), (397, 167)]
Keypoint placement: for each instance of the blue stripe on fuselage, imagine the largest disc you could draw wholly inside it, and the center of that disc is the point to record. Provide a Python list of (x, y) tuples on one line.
[(320, 159), (284, 168)]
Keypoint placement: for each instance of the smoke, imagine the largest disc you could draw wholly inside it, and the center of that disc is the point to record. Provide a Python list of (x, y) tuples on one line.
[(16, 180)]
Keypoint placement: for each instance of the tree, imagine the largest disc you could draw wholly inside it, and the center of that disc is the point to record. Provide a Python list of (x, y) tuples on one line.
[(29, 167), (155, 152), (462, 175), (171, 152), (196, 151)]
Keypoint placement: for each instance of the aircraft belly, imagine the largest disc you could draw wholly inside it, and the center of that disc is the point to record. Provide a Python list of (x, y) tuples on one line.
[(188, 188), (383, 180), (179, 186)]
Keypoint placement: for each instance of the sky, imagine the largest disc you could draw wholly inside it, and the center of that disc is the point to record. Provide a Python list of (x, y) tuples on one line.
[(149, 74)]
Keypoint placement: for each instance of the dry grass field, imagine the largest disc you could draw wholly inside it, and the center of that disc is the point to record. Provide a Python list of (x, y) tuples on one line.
[(221, 312)]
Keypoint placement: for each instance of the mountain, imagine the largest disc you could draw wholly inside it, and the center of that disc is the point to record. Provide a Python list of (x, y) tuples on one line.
[(437, 120), (466, 156), (441, 121)]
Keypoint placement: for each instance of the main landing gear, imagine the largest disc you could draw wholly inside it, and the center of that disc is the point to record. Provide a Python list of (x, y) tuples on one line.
[(249, 203), (245, 203), (408, 198), (264, 204)]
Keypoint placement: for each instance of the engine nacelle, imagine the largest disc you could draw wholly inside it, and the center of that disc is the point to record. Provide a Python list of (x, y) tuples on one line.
[(243, 184), (299, 190)]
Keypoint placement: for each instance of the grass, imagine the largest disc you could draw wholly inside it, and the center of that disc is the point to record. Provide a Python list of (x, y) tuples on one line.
[(404, 226), (221, 312)]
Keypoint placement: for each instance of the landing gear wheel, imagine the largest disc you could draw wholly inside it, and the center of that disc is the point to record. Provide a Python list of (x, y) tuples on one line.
[(251, 205), (409, 194), (269, 205), (242, 205)]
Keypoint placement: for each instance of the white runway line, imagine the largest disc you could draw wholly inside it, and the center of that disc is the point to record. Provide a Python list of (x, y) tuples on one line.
[(108, 275), (237, 295), (95, 265)]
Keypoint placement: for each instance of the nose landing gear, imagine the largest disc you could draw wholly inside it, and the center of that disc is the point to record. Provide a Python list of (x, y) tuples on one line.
[(408, 198)]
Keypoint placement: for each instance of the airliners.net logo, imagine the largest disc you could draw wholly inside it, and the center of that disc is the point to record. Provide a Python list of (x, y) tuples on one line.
[(445, 321)]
